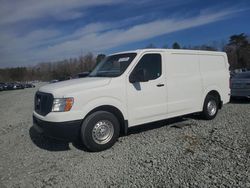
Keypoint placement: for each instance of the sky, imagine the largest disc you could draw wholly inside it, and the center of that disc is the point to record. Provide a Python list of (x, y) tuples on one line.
[(49, 30)]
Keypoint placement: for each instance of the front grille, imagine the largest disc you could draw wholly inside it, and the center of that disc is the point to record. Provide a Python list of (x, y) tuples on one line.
[(43, 103)]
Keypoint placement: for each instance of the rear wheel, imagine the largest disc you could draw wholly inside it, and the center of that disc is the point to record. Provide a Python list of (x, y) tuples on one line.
[(210, 108), (100, 131)]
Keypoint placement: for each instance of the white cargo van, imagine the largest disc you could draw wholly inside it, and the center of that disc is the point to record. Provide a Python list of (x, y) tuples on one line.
[(132, 88)]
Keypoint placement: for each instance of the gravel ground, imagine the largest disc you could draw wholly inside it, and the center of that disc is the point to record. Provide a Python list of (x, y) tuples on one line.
[(181, 152)]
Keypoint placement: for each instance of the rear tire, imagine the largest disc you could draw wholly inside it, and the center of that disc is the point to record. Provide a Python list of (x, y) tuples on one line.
[(99, 131), (210, 107)]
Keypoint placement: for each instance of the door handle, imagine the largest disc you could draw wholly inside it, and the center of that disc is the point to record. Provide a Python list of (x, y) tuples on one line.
[(160, 85)]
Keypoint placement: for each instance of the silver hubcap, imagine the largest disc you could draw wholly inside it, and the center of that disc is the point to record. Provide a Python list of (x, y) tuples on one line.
[(103, 132), (211, 107)]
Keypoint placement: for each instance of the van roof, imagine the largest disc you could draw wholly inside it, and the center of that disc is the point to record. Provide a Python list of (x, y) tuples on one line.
[(174, 51)]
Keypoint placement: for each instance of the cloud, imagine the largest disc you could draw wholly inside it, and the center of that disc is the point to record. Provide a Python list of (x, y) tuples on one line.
[(16, 50), (51, 44), (96, 40), (20, 10)]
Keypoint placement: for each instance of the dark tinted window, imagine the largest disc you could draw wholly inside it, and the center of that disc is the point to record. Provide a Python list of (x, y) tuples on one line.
[(151, 63)]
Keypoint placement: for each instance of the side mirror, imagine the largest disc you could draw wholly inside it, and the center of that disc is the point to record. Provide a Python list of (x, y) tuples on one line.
[(138, 76)]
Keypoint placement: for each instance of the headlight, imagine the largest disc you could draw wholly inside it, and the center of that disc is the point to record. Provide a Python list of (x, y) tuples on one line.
[(62, 105)]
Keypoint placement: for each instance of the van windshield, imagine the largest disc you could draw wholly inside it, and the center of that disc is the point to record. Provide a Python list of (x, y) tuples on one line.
[(113, 66)]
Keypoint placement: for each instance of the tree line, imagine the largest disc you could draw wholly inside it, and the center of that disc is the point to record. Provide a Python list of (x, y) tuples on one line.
[(46, 71), (237, 49)]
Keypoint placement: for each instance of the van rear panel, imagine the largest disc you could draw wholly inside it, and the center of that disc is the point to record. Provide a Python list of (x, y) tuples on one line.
[(215, 74), (191, 75)]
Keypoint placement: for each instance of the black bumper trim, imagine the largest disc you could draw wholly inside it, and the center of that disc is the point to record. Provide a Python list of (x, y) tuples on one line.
[(69, 130)]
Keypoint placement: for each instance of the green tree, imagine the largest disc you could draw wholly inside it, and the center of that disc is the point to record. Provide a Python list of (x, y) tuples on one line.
[(238, 40), (239, 45), (176, 46), (206, 47)]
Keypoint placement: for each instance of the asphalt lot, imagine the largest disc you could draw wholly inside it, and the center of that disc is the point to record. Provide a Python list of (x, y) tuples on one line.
[(184, 152)]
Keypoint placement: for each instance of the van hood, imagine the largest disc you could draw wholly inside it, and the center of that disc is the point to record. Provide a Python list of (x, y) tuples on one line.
[(60, 89)]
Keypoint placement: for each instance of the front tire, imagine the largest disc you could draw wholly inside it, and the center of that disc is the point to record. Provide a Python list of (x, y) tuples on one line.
[(210, 107), (99, 131)]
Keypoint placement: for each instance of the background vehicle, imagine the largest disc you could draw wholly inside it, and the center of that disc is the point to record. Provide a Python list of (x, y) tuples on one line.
[(12, 86), (29, 85), (132, 88), (15, 85), (240, 85), (3, 86), (236, 71), (53, 81)]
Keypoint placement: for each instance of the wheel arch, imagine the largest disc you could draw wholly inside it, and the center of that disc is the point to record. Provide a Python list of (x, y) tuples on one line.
[(216, 93), (114, 110)]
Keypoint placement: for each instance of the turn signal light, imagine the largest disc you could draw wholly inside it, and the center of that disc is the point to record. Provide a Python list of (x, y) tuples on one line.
[(68, 104)]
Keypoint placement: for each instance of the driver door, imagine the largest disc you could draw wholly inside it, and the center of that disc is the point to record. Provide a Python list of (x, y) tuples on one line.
[(147, 99)]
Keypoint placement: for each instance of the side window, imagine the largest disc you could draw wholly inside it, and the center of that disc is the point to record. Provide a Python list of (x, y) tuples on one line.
[(151, 64)]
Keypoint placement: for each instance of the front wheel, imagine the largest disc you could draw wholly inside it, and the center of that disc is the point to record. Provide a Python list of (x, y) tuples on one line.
[(100, 131), (210, 108)]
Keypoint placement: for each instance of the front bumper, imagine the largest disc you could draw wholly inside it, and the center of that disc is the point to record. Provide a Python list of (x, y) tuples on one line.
[(69, 130)]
